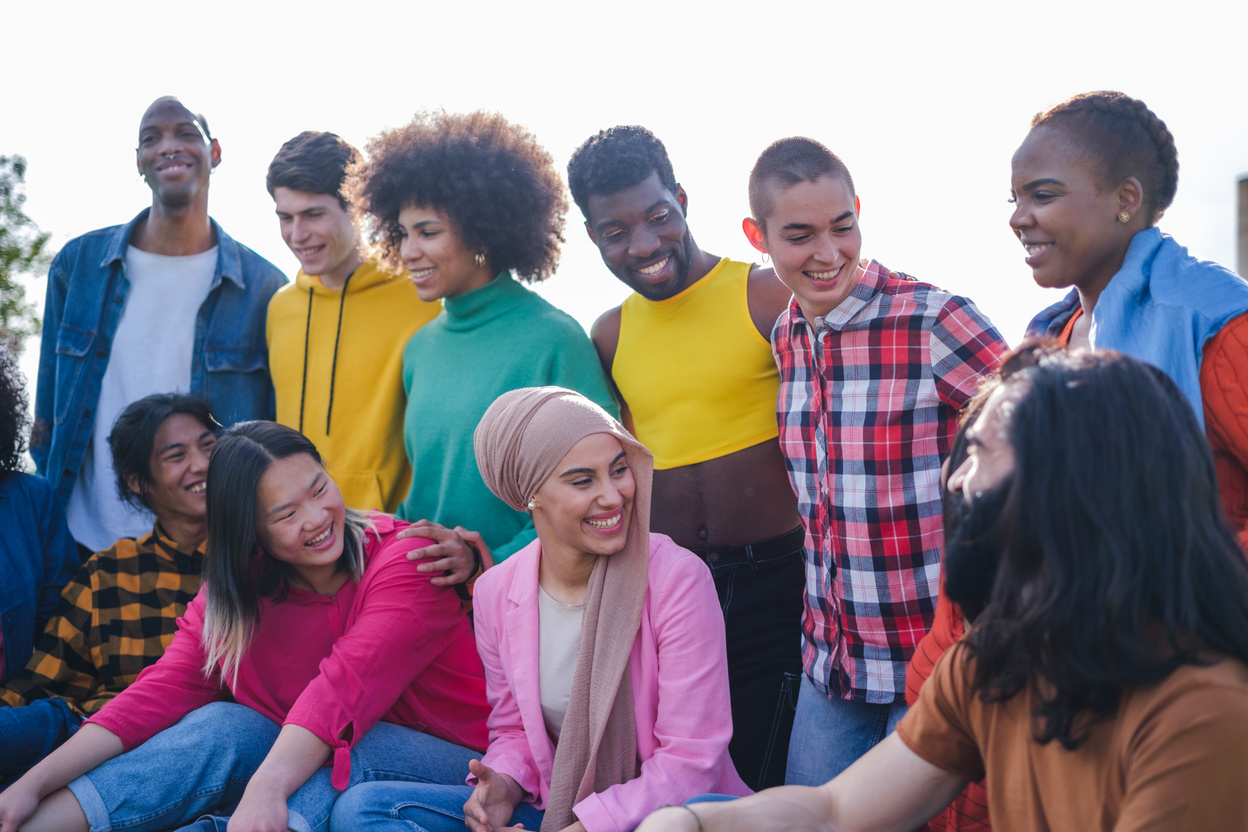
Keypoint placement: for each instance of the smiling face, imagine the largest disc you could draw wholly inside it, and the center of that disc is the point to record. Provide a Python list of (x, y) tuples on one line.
[(642, 237), (989, 454), (585, 505), (175, 155), (432, 250), (1066, 219), (300, 517), (814, 241), (320, 233), (179, 471)]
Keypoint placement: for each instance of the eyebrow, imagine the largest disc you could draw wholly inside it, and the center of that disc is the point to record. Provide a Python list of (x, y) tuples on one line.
[(164, 448), (793, 226), (424, 223), (284, 506), (1038, 182), (572, 471), (662, 203)]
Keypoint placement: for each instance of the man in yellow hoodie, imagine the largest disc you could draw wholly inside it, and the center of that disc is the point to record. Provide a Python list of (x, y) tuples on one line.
[(336, 334)]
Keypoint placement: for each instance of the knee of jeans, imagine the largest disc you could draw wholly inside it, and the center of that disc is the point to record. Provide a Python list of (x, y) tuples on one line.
[(355, 804)]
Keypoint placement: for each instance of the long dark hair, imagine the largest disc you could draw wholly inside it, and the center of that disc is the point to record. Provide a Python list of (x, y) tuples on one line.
[(1118, 565), (234, 581)]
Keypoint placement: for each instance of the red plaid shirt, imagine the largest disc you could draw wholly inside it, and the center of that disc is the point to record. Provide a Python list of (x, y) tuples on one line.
[(869, 398)]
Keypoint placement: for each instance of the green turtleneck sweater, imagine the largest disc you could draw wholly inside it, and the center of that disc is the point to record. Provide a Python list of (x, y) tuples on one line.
[(485, 342)]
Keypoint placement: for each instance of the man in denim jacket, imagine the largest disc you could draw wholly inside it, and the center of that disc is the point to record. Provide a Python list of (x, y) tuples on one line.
[(168, 302)]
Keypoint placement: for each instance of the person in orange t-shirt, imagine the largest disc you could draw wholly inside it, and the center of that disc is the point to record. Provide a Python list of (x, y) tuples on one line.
[(1104, 684)]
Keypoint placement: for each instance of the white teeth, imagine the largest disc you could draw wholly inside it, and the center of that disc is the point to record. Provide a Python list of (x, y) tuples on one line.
[(320, 538), (609, 523), (1036, 249), (198, 488), (823, 275), (650, 271), (422, 273)]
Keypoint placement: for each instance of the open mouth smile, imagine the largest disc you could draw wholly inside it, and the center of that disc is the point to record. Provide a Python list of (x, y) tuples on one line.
[(608, 523)]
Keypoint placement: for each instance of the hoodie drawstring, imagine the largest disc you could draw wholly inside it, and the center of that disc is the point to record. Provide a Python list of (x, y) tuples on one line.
[(333, 370)]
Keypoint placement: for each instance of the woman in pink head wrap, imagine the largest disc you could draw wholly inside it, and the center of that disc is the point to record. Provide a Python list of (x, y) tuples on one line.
[(603, 644)]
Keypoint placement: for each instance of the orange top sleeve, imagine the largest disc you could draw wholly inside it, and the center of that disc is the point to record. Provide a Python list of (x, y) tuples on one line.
[(1224, 389)]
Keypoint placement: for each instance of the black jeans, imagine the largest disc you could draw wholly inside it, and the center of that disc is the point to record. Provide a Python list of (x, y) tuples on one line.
[(760, 590)]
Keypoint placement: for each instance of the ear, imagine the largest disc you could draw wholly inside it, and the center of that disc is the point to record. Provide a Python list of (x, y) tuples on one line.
[(857, 206), (138, 164), (683, 199), (590, 232), (135, 484), (1130, 195), (216, 153), (754, 234)]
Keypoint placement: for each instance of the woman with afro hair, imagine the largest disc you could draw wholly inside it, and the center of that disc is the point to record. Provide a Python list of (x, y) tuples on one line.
[(37, 554), (473, 208)]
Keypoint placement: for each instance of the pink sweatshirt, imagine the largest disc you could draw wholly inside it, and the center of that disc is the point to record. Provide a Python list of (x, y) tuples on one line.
[(392, 647)]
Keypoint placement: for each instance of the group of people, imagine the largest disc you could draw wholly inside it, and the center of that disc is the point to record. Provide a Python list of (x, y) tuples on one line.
[(396, 546)]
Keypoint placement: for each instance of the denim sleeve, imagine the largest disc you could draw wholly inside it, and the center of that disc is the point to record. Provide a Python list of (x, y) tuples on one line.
[(45, 380), (60, 556)]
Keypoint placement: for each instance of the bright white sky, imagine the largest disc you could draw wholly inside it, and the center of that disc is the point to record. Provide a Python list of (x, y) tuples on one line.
[(925, 102)]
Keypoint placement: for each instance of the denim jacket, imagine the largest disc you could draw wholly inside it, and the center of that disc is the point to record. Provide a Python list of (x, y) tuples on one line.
[(37, 559), (1161, 307), (87, 289)]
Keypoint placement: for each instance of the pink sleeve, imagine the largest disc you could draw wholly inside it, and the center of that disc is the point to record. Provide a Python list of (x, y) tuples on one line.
[(509, 751), (401, 623), (692, 730), (167, 690)]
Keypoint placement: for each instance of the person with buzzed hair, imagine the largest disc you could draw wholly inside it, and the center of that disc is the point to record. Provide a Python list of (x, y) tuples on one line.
[(166, 302), (708, 413)]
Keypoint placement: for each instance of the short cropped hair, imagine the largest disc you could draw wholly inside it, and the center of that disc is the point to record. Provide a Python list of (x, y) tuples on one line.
[(790, 162), (134, 434), (615, 159), (495, 183), (312, 162)]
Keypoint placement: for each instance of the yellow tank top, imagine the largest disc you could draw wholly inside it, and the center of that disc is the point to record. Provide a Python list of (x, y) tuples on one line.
[(698, 378)]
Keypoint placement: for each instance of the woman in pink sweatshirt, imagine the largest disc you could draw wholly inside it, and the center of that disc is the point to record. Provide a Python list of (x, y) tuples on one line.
[(333, 647)]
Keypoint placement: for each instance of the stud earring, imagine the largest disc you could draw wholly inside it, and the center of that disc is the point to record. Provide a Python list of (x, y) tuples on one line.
[(479, 259), (532, 505), (1124, 218)]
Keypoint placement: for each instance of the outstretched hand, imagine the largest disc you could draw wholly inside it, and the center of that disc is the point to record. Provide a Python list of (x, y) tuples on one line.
[(452, 552), (492, 801)]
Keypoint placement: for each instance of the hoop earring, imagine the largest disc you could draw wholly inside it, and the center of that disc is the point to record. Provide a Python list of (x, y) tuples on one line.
[(766, 258), (479, 259), (1124, 218)]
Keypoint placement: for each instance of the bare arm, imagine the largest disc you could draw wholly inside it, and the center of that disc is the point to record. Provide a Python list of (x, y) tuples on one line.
[(767, 298), (25, 804), (295, 756), (890, 788)]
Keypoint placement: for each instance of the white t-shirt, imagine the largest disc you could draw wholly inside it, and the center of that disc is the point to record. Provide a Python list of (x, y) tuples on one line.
[(151, 353), (560, 626)]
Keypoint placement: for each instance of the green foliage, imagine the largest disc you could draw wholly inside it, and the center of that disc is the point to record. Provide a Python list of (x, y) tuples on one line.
[(23, 251)]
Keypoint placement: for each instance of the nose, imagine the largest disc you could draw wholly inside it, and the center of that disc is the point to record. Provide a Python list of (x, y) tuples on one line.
[(827, 251), (199, 461), (409, 249), (643, 242), (958, 478), (298, 229), (1021, 217)]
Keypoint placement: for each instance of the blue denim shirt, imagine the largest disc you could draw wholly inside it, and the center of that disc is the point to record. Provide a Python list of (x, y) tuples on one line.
[(37, 559), (87, 289)]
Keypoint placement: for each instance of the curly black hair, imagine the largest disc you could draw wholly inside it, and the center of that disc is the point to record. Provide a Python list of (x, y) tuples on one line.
[(495, 183), (14, 422), (615, 159)]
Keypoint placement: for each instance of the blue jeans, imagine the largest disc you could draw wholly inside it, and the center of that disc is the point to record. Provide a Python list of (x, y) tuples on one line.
[(413, 807), (830, 734), (31, 732), (203, 763)]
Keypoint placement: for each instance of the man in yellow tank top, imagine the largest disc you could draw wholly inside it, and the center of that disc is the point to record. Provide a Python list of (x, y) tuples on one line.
[(690, 355)]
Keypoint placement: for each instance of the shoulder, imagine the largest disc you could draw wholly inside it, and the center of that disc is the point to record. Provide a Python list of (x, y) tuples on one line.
[(495, 583), (606, 330), (258, 272), (672, 565), (768, 297), (32, 487)]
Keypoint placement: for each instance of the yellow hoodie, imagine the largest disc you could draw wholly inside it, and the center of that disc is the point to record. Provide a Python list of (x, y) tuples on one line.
[(347, 397)]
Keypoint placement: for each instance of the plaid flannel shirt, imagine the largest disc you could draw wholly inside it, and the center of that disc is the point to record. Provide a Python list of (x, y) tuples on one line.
[(869, 398), (116, 616)]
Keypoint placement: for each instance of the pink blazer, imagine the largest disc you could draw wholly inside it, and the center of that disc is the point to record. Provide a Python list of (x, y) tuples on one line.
[(679, 671)]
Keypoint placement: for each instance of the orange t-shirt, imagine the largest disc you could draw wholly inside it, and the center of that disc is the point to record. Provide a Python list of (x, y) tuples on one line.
[(1175, 756)]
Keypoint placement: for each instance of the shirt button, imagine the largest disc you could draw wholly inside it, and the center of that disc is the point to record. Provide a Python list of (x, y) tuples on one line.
[(101, 353)]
